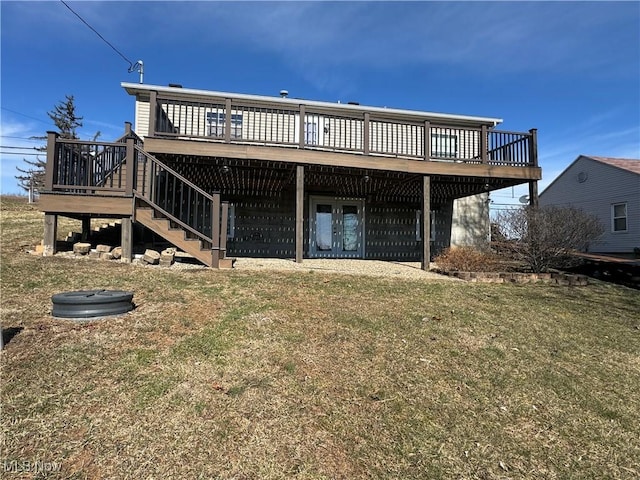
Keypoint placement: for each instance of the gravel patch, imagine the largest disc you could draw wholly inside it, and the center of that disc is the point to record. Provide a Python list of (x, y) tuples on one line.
[(375, 268)]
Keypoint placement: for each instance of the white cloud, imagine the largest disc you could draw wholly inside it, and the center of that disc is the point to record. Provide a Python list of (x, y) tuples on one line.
[(509, 37)]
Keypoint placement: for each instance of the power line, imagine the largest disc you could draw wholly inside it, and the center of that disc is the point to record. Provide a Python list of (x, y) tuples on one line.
[(18, 148), (31, 139), (18, 153), (24, 115), (132, 66)]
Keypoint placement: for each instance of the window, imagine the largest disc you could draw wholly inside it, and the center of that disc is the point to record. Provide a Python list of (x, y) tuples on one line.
[(619, 217), (217, 123), (444, 145), (231, 222)]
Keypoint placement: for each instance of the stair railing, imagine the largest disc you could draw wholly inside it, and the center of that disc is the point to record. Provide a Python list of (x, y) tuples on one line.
[(105, 171), (199, 213)]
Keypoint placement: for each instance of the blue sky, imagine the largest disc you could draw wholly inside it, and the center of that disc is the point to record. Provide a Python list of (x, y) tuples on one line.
[(569, 69)]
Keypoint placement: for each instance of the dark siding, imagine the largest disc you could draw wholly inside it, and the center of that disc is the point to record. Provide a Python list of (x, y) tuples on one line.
[(390, 233), (264, 227)]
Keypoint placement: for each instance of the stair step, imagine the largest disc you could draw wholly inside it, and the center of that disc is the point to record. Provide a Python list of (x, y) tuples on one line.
[(192, 246)]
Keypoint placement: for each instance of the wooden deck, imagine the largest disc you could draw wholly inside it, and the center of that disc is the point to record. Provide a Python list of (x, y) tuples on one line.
[(200, 148)]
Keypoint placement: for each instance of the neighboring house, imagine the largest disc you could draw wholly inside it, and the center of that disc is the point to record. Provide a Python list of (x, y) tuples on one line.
[(608, 188), (220, 174)]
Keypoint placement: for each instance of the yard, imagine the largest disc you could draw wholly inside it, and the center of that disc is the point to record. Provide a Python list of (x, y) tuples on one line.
[(312, 375)]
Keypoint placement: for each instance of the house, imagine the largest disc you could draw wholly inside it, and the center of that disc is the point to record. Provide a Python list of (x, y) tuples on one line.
[(222, 174), (608, 188)]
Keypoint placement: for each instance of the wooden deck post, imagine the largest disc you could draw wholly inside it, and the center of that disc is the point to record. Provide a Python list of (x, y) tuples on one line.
[(299, 213), (427, 141), (126, 240), (484, 144), (127, 128), (533, 147), (224, 220), (533, 161), (426, 222), (302, 139), (50, 234), (366, 140), (227, 121), (215, 231), (86, 229), (130, 166), (533, 193), (51, 161), (153, 108)]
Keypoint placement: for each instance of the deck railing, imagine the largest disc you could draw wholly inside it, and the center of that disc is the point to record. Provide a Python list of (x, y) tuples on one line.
[(78, 166), (234, 120), (124, 168)]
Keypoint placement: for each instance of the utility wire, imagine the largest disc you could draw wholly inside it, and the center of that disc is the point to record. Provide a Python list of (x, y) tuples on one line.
[(18, 148), (24, 115), (21, 138), (14, 153), (132, 66)]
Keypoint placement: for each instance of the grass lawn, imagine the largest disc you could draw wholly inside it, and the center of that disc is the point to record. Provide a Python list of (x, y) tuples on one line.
[(307, 375)]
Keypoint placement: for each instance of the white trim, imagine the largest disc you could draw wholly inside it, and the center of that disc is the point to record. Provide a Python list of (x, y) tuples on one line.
[(614, 217)]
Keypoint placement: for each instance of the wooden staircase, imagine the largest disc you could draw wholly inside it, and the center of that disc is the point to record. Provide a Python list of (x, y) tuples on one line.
[(179, 237), (154, 194)]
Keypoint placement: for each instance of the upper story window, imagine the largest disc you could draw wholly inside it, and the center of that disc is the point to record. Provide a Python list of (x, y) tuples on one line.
[(444, 145), (619, 217), (217, 122)]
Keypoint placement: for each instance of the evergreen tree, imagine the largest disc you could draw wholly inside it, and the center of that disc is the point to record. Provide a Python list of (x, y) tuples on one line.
[(31, 178)]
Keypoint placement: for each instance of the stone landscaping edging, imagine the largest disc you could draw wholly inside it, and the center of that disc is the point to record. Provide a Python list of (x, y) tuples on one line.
[(554, 278)]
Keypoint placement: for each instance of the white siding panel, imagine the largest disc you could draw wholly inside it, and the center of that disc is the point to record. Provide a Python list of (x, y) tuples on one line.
[(593, 187), (470, 221), (142, 118)]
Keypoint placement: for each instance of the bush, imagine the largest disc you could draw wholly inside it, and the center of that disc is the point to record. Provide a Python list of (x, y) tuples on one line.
[(546, 237), (467, 259)]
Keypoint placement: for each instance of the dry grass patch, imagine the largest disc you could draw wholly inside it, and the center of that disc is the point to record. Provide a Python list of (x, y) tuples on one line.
[(305, 375)]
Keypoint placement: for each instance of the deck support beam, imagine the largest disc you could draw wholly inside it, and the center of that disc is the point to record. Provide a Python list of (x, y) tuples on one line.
[(50, 234), (426, 222), (126, 240), (533, 193), (86, 229), (299, 213), (215, 231)]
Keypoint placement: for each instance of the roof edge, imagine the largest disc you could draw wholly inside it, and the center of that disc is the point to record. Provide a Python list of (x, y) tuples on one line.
[(593, 159), (136, 88)]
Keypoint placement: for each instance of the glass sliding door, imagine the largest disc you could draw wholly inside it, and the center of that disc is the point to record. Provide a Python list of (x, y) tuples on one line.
[(324, 227), (336, 227)]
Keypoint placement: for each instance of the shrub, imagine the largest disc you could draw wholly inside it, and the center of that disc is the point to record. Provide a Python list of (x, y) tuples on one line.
[(547, 237), (467, 259)]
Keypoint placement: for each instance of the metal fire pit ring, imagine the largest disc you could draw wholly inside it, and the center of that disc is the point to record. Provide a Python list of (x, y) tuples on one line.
[(91, 303)]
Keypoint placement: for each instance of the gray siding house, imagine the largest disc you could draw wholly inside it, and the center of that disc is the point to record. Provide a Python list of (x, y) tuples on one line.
[(608, 188)]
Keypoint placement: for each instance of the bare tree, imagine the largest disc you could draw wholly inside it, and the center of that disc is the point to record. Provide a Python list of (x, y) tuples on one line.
[(547, 237)]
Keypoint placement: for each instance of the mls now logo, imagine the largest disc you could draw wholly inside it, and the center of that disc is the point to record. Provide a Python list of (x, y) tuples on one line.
[(30, 466)]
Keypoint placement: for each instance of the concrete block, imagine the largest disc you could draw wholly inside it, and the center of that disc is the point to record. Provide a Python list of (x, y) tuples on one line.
[(81, 248), (151, 257)]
